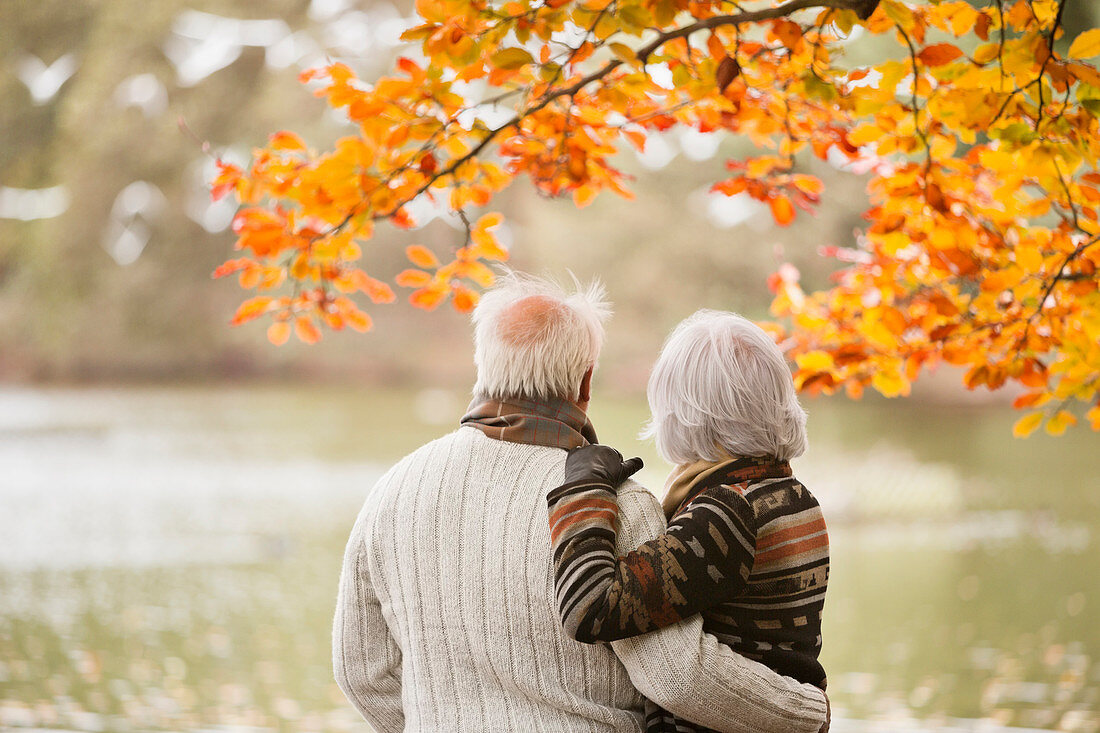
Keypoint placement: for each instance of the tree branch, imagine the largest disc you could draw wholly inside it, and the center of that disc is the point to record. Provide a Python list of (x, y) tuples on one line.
[(863, 9)]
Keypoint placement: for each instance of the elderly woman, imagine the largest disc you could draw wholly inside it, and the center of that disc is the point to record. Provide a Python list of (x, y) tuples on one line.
[(746, 544)]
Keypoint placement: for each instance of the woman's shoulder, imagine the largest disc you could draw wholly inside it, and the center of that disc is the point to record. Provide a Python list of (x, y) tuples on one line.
[(772, 498)]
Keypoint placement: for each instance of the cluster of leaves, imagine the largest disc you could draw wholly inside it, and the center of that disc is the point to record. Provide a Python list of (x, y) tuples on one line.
[(982, 140), (981, 245)]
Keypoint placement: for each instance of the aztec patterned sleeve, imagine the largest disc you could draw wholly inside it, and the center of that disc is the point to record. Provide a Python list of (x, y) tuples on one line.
[(704, 558)]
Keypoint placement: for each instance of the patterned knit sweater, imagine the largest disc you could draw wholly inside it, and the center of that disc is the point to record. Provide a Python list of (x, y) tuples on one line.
[(446, 618), (748, 549)]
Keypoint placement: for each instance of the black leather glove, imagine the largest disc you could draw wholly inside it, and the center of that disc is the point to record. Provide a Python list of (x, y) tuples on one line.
[(599, 463)]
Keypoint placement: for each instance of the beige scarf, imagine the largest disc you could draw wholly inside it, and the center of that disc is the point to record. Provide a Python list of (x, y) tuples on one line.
[(685, 477)]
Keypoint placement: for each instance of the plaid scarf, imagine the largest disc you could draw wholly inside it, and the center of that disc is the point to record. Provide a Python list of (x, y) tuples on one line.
[(556, 423)]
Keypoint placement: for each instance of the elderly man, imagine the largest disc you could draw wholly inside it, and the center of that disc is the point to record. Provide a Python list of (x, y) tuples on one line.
[(446, 618)]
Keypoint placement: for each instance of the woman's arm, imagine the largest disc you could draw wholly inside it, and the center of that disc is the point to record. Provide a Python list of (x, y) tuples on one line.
[(693, 675), (703, 558)]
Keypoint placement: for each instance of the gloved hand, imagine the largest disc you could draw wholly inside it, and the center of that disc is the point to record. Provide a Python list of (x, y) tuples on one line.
[(600, 463)]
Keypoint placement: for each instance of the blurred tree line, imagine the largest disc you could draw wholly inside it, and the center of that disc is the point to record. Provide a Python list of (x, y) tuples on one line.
[(116, 286)]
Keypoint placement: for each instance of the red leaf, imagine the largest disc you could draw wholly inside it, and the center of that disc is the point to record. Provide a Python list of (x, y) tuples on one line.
[(728, 70), (981, 28), (939, 54)]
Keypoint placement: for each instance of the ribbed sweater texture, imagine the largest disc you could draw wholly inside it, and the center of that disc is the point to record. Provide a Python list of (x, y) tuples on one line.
[(446, 618)]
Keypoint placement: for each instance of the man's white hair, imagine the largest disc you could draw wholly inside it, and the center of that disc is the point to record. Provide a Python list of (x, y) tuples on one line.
[(721, 384), (534, 340)]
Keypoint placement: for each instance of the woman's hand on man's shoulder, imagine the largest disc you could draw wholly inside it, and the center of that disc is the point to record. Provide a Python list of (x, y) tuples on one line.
[(599, 464)]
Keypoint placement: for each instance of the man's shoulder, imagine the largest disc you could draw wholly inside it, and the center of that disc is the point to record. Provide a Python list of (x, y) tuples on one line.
[(635, 491), (463, 444), (432, 451), (640, 515)]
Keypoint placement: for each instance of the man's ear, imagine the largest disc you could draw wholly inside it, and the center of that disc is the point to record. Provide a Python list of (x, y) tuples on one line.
[(586, 386)]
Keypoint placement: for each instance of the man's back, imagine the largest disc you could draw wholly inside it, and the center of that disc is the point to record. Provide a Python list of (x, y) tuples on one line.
[(454, 543)]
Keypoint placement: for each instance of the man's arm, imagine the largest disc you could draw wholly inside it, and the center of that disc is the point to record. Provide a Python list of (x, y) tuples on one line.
[(365, 658), (693, 675)]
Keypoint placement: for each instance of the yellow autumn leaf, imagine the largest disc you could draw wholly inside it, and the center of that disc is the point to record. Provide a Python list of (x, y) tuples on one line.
[(1058, 424), (623, 52), (889, 384), (815, 361), (1093, 417), (511, 59), (1029, 258), (1086, 45), (1027, 424)]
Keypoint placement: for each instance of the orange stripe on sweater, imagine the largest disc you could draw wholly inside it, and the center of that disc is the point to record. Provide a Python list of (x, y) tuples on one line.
[(578, 504), (795, 548), (790, 533), (557, 529)]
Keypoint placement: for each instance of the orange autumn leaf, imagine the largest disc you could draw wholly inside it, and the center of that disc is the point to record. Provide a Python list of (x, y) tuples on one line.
[(464, 299), (251, 309), (980, 240), (356, 318), (485, 244), (306, 330), (250, 277), (782, 209), (428, 298), (228, 178), (376, 290), (278, 332), (284, 140), (789, 33), (421, 256), (413, 278), (231, 266)]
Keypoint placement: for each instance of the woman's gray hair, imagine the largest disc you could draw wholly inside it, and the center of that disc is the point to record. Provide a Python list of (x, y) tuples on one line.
[(721, 384), (534, 340)]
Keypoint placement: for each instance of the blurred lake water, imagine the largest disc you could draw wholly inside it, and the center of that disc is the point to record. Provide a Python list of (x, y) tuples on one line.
[(170, 556)]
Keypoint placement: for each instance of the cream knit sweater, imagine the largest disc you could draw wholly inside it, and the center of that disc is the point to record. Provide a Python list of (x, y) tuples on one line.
[(446, 621)]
